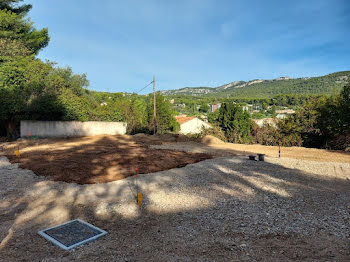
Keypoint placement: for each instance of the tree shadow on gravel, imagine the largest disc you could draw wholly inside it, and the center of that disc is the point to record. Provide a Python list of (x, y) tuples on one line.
[(219, 209)]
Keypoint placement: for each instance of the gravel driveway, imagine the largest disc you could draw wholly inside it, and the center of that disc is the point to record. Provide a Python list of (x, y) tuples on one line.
[(222, 209)]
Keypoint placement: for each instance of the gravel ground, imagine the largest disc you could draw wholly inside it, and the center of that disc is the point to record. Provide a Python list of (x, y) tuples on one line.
[(222, 209)]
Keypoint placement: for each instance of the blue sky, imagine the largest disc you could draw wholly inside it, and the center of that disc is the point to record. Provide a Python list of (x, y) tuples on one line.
[(120, 45)]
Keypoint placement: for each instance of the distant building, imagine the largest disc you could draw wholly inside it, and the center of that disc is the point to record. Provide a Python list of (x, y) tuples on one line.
[(191, 124), (281, 116), (283, 78), (245, 108), (171, 101), (265, 121), (285, 111), (214, 107)]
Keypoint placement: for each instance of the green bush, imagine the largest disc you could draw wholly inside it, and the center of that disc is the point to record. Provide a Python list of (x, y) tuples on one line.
[(215, 130)]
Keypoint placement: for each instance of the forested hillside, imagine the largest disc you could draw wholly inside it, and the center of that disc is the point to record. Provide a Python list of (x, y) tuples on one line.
[(322, 85)]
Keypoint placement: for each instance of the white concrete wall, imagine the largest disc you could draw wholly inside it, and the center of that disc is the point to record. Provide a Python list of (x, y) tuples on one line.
[(193, 126), (71, 128)]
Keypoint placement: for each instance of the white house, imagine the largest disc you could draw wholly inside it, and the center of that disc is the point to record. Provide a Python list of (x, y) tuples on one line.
[(281, 116), (266, 121), (191, 124)]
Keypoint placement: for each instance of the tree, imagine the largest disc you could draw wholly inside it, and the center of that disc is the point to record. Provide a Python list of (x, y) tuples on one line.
[(345, 108), (11, 6), (19, 37), (135, 111), (301, 128), (19, 43), (165, 117), (31, 89), (333, 119), (204, 108), (213, 117), (273, 111), (235, 123), (266, 135)]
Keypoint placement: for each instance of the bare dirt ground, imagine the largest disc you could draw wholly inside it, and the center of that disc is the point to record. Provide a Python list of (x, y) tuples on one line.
[(98, 159), (222, 209)]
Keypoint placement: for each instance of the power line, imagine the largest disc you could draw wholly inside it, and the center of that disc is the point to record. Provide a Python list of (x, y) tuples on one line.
[(154, 102), (144, 87)]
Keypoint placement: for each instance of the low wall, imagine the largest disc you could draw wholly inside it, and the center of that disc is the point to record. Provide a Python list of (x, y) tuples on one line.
[(71, 128)]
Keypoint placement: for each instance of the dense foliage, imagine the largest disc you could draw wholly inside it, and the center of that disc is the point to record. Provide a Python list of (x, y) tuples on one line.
[(165, 120), (322, 122), (235, 123), (334, 120), (36, 90), (19, 43), (11, 6), (319, 122)]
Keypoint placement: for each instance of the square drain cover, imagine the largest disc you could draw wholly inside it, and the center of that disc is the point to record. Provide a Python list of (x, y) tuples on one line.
[(72, 234)]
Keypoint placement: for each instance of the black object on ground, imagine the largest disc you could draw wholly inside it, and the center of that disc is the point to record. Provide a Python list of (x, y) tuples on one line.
[(261, 157), (252, 157)]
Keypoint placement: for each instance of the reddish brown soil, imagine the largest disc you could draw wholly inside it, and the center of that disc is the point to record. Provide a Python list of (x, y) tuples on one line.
[(99, 159)]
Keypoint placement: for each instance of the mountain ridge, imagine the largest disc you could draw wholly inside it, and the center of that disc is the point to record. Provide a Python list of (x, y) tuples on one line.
[(326, 84)]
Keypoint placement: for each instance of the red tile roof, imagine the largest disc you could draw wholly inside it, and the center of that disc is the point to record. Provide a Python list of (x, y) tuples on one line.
[(184, 119)]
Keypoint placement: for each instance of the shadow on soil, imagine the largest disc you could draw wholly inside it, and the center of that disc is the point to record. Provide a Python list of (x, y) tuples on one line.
[(98, 160), (192, 213)]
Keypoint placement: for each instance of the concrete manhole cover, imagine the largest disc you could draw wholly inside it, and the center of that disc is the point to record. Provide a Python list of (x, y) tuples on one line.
[(72, 234)]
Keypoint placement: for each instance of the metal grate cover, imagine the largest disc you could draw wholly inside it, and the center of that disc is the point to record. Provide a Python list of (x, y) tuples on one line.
[(72, 234)]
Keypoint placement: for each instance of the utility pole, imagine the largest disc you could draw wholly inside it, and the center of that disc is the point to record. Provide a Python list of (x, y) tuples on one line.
[(154, 106)]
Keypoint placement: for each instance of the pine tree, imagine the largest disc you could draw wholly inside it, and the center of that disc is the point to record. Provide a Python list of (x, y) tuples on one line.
[(235, 123), (11, 5)]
